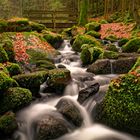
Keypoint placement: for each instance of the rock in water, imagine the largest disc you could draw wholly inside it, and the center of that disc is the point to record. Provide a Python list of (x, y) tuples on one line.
[(50, 127), (87, 92), (70, 111)]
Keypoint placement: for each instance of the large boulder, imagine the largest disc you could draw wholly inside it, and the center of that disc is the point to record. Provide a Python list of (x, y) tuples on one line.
[(100, 67), (69, 109), (14, 99), (88, 92), (84, 39), (120, 109), (50, 127), (32, 81), (132, 45), (90, 53), (93, 26), (109, 55), (8, 124)]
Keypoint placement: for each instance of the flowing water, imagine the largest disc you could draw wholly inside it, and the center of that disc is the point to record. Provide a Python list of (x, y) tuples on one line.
[(80, 79)]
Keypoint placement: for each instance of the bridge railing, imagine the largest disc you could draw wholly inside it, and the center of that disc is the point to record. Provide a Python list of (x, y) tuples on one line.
[(53, 19)]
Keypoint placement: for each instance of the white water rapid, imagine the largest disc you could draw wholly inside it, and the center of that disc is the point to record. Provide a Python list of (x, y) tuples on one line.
[(81, 79)]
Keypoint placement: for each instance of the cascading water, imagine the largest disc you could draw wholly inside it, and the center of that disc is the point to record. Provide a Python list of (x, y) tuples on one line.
[(81, 80)]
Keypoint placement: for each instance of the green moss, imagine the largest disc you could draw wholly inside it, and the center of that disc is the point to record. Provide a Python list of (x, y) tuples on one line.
[(132, 45), (37, 27), (109, 55), (6, 82), (112, 47), (9, 48), (84, 39), (93, 26), (94, 34), (121, 106), (3, 55), (123, 41), (8, 123), (32, 81), (111, 38), (13, 68), (14, 99), (137, 64), (103, 21), (4, 69), (3, 25), (90, 54)]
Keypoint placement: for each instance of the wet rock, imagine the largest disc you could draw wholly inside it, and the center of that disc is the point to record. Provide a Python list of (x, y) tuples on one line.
[(50, 127), (70, 111), (88, 92), (100, 67), (61, 66)]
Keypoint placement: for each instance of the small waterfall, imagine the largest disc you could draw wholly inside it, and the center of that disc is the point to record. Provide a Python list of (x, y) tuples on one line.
[(111, 66), (80, 79)]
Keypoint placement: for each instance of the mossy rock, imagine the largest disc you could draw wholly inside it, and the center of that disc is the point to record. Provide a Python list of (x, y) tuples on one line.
[(132, 45), (4, 69), (112, 47), (120, 108), (13, 68), (54, 39), (9, 48), (93, 26), (37, 27), (43, 64), (111, 38), (136, 65), (14, 99), (8, 124), (58, 80), (109, 55), (32, 81), (122, 42), (3, 25), (6, 82), (84, 39), (90, 54), (103, 21), (94, 34), (3, 55)]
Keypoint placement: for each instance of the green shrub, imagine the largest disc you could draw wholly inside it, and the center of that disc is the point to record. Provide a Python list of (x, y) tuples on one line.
[(8, 123), (132, 45), (123, 41), (90, 54), (93, 26), (8, 47), (120, 108), (109, 55), (13, 68), (14, 99), (6, 82), (94, 34), (3, 55), (32, 81), (84, 39)]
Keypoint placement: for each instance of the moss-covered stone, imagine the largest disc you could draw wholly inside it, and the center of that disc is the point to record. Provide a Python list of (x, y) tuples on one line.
[(109, 55), (13, 68), (9, 48), (54, 39), (90, 54), (112, 47), (8, 124), (103, 21), (14, 99), (120, 108), (84, 39), (37, 27), (93, 26), (32, 81), (3, 25), (132, 45), (122, 41), (3, 55), (6, 82), (3, 69), (137, 64), (111, 38), (94, 34)]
